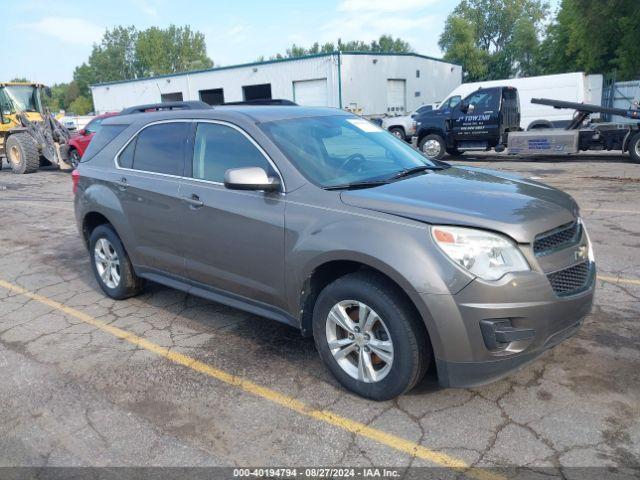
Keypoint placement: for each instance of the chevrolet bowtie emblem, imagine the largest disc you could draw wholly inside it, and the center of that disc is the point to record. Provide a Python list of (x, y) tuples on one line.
[(581, 253)]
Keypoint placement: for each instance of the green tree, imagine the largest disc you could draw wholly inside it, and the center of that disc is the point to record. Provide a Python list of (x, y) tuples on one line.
[(595, 37), (125, 53), (20, 80), (81, 105), (174, 49), (385, 44), (494, 38)]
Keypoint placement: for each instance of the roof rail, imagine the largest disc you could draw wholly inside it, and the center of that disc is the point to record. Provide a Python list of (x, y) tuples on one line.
[(264, 101), (155, 107)]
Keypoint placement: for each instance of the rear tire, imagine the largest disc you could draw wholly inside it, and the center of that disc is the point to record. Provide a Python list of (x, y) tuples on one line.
[(391, 325), (111, 265), (634, 148), (22, 153), (433, 146)]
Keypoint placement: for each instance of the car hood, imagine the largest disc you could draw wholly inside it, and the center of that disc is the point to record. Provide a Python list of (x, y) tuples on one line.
[(473, 197)]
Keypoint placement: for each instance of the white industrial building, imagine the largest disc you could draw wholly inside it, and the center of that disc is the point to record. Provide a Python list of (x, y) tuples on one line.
[(366, 83)]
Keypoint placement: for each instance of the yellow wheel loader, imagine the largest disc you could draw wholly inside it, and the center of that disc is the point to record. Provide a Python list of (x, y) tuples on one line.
[(29, 135)]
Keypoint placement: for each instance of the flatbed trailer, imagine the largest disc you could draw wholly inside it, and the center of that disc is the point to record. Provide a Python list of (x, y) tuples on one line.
[(580, 135)]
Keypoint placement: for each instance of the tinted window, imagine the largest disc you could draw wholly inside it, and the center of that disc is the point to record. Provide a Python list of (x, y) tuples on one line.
[(125, 159), (218, 148), (102, 138), (160, 148)]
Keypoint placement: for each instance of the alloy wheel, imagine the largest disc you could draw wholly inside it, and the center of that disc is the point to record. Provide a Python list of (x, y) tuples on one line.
[(107, 263), (359, 341)]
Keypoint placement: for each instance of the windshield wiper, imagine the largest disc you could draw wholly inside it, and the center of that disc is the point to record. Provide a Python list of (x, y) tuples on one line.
[(363, 184), (413, 170)]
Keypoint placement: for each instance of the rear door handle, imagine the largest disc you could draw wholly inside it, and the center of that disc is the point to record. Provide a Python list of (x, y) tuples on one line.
[(194, 201), (122, 184)]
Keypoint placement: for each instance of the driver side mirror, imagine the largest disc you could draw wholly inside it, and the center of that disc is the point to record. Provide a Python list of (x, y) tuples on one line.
[(83, 132), (47, 91), (250, 178), (464, 106)]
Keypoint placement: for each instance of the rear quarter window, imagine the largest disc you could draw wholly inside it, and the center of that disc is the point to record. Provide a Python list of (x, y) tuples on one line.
[(103, 137)]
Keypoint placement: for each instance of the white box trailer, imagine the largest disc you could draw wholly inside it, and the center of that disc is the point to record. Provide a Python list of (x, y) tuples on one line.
[(575, 87)]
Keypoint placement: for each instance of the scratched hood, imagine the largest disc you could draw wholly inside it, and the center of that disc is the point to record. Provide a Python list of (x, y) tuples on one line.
[(473, 197)]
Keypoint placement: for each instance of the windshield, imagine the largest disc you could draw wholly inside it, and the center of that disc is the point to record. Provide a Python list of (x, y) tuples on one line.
[(340, 150), (24, 98)]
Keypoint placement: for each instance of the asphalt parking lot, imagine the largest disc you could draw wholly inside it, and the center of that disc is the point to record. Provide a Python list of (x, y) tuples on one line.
[(170, 379)]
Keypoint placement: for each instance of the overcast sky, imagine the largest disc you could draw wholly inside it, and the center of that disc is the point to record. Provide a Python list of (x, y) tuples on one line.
[(48, 39)]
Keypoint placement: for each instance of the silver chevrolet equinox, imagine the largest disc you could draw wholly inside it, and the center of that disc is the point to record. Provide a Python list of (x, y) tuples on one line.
[(319, 219)]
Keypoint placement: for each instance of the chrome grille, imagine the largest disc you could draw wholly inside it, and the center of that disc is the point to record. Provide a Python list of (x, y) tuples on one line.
[(557, 238), (570, 280)]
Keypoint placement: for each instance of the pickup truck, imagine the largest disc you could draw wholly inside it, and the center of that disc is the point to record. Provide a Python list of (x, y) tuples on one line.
[(404, 126), (479, 122)]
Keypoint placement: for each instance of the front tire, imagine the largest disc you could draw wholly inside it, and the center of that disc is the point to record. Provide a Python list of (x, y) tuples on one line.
[(111, 265), (433, 146), (634, 148), (370, 337), (22, 153)]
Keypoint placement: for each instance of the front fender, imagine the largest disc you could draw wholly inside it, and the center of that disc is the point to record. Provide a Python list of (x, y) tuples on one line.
[(400, 249)]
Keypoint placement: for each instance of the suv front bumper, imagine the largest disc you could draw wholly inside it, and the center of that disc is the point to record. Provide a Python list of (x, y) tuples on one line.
[(487, 331)]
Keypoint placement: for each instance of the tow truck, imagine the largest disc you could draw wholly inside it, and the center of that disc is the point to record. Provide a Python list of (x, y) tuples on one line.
[(490, 119)]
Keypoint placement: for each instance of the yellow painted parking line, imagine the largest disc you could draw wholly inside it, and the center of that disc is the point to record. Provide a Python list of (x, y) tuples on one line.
[(390, 440), (619, 281)]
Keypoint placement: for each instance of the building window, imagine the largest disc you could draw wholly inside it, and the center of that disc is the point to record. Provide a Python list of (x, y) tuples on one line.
[(257, 92), (214, 96), (417, 94), (171, 97), (417, 73)]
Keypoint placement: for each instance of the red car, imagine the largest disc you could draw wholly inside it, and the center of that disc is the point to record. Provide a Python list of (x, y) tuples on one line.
[(79, 142)]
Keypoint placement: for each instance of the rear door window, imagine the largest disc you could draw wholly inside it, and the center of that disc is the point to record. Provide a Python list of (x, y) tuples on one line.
[(160, 148)]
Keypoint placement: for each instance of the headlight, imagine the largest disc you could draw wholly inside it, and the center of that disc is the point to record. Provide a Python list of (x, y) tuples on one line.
[(486, 255)]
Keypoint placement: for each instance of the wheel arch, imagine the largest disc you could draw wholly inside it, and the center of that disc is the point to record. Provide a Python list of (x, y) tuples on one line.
[(327, 271), (431, 131), (90, 222)]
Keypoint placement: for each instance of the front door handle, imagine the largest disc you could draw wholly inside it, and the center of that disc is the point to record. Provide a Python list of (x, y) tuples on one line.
[(194, 201)]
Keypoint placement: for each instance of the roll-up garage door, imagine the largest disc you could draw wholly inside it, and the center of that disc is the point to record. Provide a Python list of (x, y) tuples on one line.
[(312, 93), (396, 97)]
